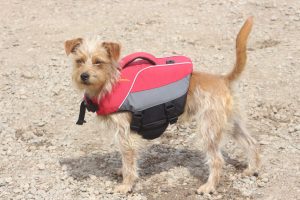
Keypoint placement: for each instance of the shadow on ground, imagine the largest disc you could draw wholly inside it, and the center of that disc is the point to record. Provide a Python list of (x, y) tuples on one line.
[(153, 160)]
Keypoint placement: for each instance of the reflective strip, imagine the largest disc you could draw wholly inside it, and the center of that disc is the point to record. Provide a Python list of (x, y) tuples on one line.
[(138, 101), (149, 67)]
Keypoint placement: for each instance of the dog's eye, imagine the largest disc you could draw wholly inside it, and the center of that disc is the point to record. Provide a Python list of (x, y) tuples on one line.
[(98, 62), (79, 61)]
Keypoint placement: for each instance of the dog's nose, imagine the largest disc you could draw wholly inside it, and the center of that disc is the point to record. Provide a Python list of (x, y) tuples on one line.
[(84, 76)]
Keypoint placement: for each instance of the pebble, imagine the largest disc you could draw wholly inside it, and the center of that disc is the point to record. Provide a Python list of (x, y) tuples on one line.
[(41, 166), (291, 129), (9, 180), (32, 190), (17, 190), (296, 19), (92, 177), (83, 189), (2, 183), (265, 175), (64, 177), (27, 75), (260, 184), (273, 18), (32, 148), (265, 180), (25, 186), (19, 197), (52, 148), (297, 114), (41, 124), (264, 142), (64, 167)]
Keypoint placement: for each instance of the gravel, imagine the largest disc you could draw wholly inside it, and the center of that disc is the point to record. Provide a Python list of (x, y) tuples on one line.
[(44, 155)]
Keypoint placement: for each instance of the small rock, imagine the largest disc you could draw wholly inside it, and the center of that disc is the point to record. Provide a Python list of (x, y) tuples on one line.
[(291, 129), (2, 183), (90, 190), (265, 180), (253, 178), (274, 18), (297, 128), (23, 97), (52, 147), (27, 75), (264, 142), (41, 124), (25, 186), (64, 168), (92, 177), (41, 166), (32, 190), (64, 177), (83, 189), (32, 148), (17, 190), (297, 114), (19, 197), (260, 184), (8, 180), (296, 19)]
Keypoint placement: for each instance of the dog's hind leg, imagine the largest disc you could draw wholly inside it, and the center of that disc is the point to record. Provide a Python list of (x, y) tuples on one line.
[(210, 132), (243, 137)]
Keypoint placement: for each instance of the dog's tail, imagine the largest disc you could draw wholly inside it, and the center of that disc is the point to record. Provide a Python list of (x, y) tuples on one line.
[(241, 56)]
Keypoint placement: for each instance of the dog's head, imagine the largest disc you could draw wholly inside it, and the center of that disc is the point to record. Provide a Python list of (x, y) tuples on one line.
[(95, 64)]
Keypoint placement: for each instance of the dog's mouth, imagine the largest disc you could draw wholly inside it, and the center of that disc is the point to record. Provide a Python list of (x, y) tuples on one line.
[(85, 83)]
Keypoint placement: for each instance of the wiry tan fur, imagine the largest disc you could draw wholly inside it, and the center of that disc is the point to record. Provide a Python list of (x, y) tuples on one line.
[(210, 102)]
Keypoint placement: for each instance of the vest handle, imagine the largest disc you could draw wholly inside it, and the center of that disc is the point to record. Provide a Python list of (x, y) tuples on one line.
[(138, 55)]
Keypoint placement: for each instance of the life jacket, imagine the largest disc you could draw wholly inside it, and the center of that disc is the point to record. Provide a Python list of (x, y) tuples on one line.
[(153, 89)]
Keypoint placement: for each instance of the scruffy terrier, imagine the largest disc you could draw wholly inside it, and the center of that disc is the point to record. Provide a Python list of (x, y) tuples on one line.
[(210, 102)]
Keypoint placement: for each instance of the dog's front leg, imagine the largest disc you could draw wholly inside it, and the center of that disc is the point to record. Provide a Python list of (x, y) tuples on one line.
[(129, 153)]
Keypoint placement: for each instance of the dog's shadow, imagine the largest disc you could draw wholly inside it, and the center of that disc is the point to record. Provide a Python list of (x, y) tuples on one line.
[(153, 160)]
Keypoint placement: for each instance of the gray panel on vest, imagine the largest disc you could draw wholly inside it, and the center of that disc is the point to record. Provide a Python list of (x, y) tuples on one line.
[(138, 101)]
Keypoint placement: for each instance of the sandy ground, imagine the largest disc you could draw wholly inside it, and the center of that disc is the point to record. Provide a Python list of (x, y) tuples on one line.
[(44, 155)]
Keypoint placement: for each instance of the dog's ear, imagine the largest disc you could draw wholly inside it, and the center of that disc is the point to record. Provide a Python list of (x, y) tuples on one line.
[(71, 45), (113, 50)]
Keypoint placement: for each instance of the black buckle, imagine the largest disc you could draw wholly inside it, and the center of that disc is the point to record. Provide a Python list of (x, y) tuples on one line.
[(136, 121), (171, 112), (90, 106)]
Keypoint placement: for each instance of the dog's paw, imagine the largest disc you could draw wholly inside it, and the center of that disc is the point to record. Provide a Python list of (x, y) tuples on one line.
[(119, 172), (250, 172), (206, 189), (123, 189)]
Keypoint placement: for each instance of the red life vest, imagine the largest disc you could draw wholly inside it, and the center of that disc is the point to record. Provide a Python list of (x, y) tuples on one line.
[(147, 83)]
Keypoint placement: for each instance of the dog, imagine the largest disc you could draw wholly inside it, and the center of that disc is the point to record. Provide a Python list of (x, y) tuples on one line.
[(210, 102)]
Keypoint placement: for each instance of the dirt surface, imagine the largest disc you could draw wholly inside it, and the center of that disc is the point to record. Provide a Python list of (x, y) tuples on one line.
[(44, 155)]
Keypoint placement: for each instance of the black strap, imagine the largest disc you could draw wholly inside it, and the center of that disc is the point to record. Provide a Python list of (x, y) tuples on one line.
[(86, 104), (81, 120), (171, 112), (136, 121)]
